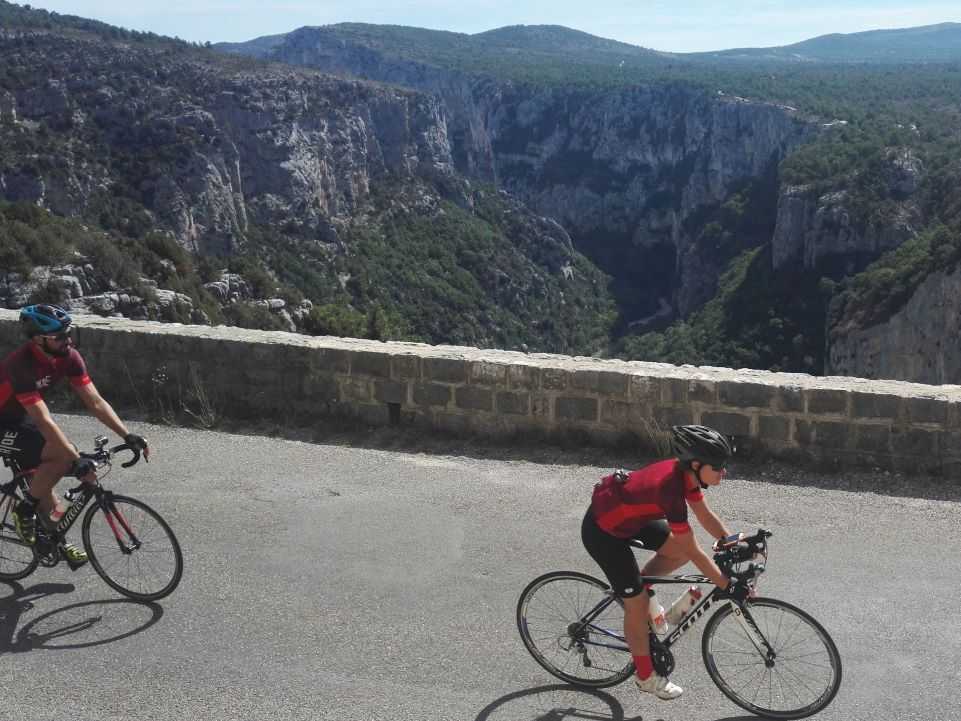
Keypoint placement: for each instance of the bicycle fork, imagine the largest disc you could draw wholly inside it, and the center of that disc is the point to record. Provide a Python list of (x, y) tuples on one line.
[(115, 517), (751, 630)]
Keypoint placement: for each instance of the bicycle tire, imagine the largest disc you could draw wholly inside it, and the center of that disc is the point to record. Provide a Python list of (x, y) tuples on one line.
[(795, 637), (103, 546), (17, 559), (546, 627)]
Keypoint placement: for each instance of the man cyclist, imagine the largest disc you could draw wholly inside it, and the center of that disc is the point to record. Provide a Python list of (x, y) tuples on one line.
[(650, 505), (28, 433)]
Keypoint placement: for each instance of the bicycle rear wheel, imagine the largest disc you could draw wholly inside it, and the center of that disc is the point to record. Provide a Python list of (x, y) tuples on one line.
[(549, 619), (17, 559), (132, 548), (799, 681)]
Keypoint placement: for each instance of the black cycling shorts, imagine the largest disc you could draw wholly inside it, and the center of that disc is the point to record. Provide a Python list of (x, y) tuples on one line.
[(22, 442), (615, 555)]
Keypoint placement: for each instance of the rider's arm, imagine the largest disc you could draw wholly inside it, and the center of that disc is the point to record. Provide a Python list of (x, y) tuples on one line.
[(688, 545), (708, 520), (52, 435), (100, 409)]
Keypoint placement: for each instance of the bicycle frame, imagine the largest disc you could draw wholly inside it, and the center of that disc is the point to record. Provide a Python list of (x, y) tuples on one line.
[(689, 620), (78, 504)]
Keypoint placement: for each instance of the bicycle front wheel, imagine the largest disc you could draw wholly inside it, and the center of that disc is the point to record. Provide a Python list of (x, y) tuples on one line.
[(132, 548), (550, 616), (17, 559), (799, 680)]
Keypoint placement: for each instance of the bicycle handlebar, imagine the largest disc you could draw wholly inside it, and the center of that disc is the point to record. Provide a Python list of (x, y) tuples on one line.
[(744, 550), (103, 455)]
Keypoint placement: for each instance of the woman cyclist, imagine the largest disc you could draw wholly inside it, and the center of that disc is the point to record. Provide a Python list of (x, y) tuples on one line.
[(650, 505)]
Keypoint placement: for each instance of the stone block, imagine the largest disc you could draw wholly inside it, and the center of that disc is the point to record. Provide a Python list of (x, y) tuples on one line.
[(702, 391), (731, 424), (488, 374), (789, 399), (320, 386), (430, 394), (373, 414), (445, 370), (774, 428), (405, 367), (873, 439), (914, 442), (575, 409), (390, 392), (827, 400), (673, 391), (370, 364), (332, 360), (474, 398), (831, 435), (644, 390), (553, 379), (523, 377), (927, 410), (513, 403), (667, 416), (746, 395), (875, 405), (605, 382), (355, 390)]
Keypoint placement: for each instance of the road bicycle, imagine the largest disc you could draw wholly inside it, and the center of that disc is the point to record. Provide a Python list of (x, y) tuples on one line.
[(128, 543), (765, 655)]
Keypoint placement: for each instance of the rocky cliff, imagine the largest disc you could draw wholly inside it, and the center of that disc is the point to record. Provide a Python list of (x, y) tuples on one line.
[(207, 150), (919, 343), (626, 170), (818, 229)]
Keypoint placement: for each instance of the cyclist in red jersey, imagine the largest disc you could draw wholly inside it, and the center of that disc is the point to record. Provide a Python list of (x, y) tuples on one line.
[(28, 433), (650, 505)]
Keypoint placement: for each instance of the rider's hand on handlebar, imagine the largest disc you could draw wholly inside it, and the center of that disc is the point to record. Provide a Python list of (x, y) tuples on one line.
[(726, 542), (139, 442)]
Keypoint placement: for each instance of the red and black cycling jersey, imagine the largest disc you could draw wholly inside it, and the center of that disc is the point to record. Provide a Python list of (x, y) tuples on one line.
[(622, 507), (28, 372)]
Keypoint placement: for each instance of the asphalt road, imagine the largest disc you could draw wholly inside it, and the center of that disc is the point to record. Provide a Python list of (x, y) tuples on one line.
[(330, 582)]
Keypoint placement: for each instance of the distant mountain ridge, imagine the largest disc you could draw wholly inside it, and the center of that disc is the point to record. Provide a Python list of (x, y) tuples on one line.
[(928, 43)]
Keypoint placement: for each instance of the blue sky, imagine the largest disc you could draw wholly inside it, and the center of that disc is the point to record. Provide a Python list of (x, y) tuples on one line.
[(676, 26)]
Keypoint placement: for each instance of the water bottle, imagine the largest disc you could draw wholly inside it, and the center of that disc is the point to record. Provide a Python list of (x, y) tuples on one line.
[(656, 610), (682, 605)]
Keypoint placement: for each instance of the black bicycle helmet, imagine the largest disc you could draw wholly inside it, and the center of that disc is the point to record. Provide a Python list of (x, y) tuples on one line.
[(44, 319), (700, 443)]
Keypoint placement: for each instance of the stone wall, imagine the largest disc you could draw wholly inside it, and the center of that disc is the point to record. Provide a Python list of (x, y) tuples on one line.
[(295, 379)]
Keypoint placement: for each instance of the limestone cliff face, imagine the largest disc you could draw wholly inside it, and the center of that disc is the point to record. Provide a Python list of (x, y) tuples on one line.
[(625, 170), (205, 149), (822, 231), (918, 344)]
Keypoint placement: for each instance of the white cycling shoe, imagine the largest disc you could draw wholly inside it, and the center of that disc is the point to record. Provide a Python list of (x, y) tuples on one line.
[(659, 686)]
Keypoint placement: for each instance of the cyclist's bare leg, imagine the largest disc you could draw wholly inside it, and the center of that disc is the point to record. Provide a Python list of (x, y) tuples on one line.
[(48, 474), (667, 559)]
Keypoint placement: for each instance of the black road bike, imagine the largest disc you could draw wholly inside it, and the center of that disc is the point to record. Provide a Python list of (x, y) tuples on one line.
[(129, 545), (767, 656)]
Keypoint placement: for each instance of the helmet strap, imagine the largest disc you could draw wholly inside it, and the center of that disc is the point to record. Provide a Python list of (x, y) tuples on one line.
[(697, 475)]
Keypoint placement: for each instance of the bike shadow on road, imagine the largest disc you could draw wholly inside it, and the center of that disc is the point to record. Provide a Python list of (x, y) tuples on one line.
[(77, 625), (563, 702)]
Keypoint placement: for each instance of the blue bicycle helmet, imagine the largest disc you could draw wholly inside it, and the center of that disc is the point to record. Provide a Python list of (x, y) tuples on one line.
[(44, 319)]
